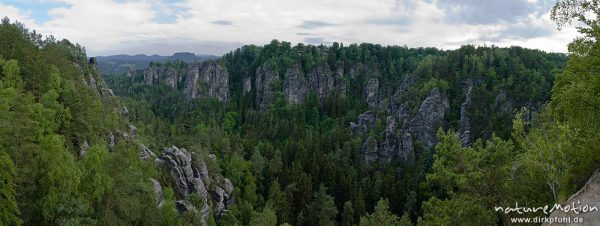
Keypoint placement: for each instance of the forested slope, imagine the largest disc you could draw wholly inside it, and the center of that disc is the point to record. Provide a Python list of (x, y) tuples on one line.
[(299, 135)]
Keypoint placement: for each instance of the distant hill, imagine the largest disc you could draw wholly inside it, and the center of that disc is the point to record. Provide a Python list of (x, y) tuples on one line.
[(121, 63)]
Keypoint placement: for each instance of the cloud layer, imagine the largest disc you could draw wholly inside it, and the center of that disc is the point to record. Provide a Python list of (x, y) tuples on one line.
[(216, 27)]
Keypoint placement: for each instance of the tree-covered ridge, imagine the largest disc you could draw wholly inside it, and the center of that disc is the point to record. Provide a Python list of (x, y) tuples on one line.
[(65, 159), (286, 140), (289, 158)]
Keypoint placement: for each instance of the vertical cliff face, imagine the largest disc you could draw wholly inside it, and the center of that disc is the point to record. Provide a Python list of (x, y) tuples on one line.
[(429, 118), (295, 87), (207, 80), (321, 80), (266, 84), (155, 74), (372, 92), (402, 130), (464, 124)]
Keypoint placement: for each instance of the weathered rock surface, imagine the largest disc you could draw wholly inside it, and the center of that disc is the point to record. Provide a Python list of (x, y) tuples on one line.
[(208, 79), (152, 74), (423, 127), (191, 176), (133, 130), (155, 74), (370, 150), (247, 85), (364, 122), (158, 192), (321, 80), (83, 148), (464, 124), (295, 86), (146, 153), (371, 92), (503, 104), (266, 86), (588, 196)]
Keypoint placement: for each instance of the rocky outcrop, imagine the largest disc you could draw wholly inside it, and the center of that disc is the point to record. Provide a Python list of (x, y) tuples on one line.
[(246, 86), (340, 82), (370, 150), (152, 74), (167, 74), (464, 124), (588, 197), (158, 192), (423, 127), (390, 142), (503, 104), (266, 86), (364, 122), (125, 112), (191, 176), (146, 153), (93, 85), (358, 69), (83, 148), (371, 92), (406, 151), (321, 81), (295, 86), (208, 79), (133, 130)]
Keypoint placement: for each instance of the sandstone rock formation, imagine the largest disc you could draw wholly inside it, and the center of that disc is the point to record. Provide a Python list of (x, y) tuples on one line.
[(266, 86), (295, 87), (191, 176), (208, 79), (588, 196), (423, 127)]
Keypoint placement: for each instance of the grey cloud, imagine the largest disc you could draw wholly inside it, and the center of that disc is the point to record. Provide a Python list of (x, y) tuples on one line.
[(316, 40), (303, 33), (399, 21), (487, 12), (311, 24), (222, 22), (522, 32)]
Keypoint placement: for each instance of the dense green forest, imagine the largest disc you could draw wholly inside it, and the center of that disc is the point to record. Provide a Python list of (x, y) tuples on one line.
[(507, 125)]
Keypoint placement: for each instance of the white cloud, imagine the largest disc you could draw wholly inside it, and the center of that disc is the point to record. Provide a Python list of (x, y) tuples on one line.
[(154, 26)]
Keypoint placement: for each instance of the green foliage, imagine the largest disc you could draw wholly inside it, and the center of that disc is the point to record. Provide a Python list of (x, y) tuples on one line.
[(9, 211), (265, 218), (322, 210), (12, 74), (380, 216)]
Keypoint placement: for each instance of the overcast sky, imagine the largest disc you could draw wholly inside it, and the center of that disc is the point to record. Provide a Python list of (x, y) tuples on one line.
[(107, 27)]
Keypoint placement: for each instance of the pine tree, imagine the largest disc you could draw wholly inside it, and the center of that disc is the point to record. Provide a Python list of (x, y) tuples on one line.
[(322, 210)]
